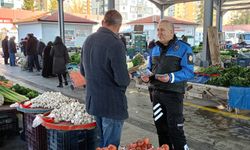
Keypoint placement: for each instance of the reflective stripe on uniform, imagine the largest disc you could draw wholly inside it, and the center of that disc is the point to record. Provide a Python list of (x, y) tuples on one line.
[(156, 106), (158, 116)]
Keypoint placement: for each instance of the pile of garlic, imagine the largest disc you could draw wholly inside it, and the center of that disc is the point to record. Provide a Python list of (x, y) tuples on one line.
[(50, 100), (73, 112)]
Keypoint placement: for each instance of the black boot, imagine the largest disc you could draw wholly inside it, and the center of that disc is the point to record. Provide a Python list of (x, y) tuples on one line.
[(60, 85)]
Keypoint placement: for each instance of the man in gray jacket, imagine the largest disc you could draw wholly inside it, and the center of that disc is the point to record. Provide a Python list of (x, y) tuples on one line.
[(103, 63)]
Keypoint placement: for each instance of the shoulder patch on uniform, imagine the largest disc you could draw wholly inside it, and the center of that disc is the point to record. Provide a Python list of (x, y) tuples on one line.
[(190, 59), (176, 47)]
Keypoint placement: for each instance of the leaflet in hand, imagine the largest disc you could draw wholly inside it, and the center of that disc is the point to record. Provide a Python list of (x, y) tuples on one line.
[(145, 72)]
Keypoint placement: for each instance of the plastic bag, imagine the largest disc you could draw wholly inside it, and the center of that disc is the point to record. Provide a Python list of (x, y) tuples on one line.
[(37, 121)]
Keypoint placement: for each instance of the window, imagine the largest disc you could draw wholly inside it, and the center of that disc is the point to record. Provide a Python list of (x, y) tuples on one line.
[(148, 10), (140, 1), (247, 36), (123, 2), (133, 1), (139, 15), (133, 9), (140, 10), (124, 16)]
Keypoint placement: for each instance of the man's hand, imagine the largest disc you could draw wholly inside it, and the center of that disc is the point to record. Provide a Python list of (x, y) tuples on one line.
[(130, 75), (145, 78), (162, 77)]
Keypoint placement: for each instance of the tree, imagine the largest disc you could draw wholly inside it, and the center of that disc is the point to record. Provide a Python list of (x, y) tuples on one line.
[(241, 17), (200, 12), (77, 6), (53, 5), (28, 4)]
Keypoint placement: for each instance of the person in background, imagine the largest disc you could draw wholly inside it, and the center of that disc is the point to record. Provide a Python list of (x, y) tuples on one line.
[(12, 51), (32, 52), (60, 59), (103, 63), (40, 48), (5, 50), (170, 66), (23, 45), (151, 44), (124, 41), (47, 61), (184, 38)]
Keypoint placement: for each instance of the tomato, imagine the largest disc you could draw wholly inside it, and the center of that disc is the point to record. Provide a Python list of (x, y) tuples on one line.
[(134, 145), (112, 147), (140, 142), (165, 147), (146, 141)]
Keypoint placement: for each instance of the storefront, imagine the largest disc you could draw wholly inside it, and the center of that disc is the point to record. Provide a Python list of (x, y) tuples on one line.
[(46, 28)]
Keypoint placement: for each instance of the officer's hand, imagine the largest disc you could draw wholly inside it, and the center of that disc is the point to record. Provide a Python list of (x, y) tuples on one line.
[(162, 77), (145, 78)]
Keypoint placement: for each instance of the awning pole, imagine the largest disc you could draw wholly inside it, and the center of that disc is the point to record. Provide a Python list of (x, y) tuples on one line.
[(61, 19)]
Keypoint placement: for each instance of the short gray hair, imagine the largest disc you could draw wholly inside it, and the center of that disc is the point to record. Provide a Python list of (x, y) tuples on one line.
[(112, 17), (168, 23)]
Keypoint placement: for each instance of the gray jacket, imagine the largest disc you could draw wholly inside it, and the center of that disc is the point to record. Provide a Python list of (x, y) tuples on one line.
[(12, 46), (105, 69)]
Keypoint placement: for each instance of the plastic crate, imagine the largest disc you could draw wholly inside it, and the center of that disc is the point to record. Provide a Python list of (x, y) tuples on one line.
[(72, 140), (243, 62), (36, 138), (8, 123)]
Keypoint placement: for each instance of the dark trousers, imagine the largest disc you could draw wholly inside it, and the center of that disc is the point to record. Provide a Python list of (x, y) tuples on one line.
[(60, 77), (36, 61), (33, 61), (6, 57), (168, 118)]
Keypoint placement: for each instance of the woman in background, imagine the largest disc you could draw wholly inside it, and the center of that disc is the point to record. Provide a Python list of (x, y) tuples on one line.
[(60, 59), (47, 61)]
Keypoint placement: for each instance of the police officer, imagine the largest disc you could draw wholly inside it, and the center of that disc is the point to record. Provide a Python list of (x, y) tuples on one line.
[(170, 65)]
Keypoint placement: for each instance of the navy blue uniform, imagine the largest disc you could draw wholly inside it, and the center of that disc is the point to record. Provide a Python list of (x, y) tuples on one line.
[(175, 60)]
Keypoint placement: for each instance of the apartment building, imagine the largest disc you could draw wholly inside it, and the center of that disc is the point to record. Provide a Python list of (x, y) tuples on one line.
[(187, 11), (130, 9)]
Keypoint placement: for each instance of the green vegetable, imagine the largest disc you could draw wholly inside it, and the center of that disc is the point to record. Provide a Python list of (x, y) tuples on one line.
[(32, 94), (233, 76), (211, 70), (24, 91), (138, 60), (75, 58), (11, 96)]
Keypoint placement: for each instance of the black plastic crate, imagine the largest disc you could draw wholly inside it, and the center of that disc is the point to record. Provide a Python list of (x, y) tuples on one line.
[(8, 123), (36, 138), (72, 140)]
